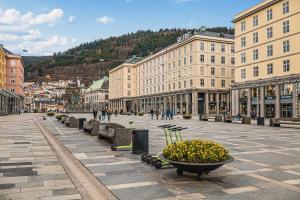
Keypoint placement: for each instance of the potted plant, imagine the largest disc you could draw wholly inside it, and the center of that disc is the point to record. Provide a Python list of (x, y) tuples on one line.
[(196, 156), (186, 116)]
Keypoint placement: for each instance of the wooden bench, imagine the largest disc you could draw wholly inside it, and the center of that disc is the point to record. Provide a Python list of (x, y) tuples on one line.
[(117, 134)]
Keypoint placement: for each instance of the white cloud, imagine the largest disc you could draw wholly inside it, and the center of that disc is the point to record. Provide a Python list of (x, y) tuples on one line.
[(105, 20), (18, 32), (72, 19), (43, 46), (13, 20)]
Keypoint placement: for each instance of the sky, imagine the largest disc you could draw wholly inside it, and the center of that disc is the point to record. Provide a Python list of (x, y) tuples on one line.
[(42, 27)]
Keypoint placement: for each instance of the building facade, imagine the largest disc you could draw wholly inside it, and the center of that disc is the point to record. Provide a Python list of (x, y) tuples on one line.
[(96, 96), (122, 86), (2, 68), (14, 74), (267, 71), (190, 77)]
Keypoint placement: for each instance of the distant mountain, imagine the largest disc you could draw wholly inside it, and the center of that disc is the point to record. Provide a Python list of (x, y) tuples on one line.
[(29, 60), (94, 59)]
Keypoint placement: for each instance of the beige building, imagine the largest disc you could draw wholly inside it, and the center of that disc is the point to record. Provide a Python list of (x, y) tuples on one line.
[(190, 77), (122, 86), (267, 71)]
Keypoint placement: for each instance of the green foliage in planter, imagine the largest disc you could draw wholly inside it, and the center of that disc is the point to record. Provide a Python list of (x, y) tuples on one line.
[(187, 116), (196, 151), (35, 110), (141, 114), (50, 113), (58, 117)]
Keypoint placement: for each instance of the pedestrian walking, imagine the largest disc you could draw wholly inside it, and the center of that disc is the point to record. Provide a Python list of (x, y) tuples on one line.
[(157, 113), (95, 113), (99, 115), (168, 114), (103, 113), (116, 112), (171, 115), (162, 115), (152, 113), (108, 114)]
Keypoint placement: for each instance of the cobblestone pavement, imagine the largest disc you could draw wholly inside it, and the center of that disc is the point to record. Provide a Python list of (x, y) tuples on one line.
[(29, 168), (266, 166)]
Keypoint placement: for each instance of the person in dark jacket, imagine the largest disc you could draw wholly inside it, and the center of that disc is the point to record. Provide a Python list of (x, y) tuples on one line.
[(95, 113), (152, 113)]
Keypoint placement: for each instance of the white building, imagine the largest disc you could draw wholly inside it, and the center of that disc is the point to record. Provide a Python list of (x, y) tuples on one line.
[(96, 96)]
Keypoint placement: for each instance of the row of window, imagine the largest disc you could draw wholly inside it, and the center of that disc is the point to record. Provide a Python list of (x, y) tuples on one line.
[(179, 86), (285, 68), (269, 49), (160, 60), (285, 26), (154, 80), (269, 16), (213, 48)]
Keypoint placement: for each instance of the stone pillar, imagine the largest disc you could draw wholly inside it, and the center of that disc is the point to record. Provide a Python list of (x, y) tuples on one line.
[(218, 102), (237, 102), (233, 111), (186, 103), (181, 104), (195, 103), (277, 102), (165, 103), (249, 102), (295, 100), (228, 95), (206, 103), (175, 101), (262, 102)]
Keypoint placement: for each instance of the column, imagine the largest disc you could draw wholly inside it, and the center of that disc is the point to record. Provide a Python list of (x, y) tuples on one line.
[(233, 111), (228, 95), (175, 101), (277, 102), (124, 106), (237, 102), (262, 102), (249, 103), (187, 103), (206, 103), (195, 103), (218, 103), (181, 104), (295, 100)]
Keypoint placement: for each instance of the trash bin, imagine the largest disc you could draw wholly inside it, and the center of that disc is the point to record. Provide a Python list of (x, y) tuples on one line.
[(140, 141), (81, 121), (260, 121)]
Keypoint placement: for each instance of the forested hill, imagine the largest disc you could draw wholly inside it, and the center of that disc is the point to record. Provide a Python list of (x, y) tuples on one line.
[(85, 58)]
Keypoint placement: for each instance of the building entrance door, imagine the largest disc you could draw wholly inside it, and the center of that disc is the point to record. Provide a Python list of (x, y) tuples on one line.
[(270, 111), (287, 110), (201, 103)]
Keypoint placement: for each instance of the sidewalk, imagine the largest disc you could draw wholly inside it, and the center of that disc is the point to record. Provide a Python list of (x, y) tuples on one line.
[(266, 166), (29, 168)]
